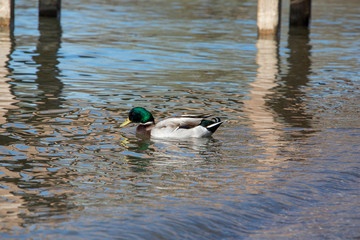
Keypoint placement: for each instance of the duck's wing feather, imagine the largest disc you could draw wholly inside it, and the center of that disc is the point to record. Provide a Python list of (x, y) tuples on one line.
[(180, 122), (185, 127), (202, 116)]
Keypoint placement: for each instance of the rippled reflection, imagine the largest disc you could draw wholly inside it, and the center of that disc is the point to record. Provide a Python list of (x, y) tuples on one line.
[(263, 118), (46, 58), (7, 99), (287, 96), (10, 203), (32, 186)]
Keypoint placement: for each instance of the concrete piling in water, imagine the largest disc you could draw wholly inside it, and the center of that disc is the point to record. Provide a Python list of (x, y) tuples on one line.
[(49, 8), (300, 12), (268, 14), (268, 17), (6, 13)]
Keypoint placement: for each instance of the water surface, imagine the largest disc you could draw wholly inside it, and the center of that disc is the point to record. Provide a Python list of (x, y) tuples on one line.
[(284, 165)]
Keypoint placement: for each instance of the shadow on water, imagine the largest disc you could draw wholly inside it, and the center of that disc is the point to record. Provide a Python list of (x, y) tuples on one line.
[(44, 91), (30, 185), (287, 97), (47, 59)]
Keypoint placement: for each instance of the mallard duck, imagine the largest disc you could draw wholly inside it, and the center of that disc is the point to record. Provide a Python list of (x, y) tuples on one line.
[(185, 126)]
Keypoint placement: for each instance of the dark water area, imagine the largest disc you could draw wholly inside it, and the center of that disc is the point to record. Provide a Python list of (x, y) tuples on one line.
[(284, 165)]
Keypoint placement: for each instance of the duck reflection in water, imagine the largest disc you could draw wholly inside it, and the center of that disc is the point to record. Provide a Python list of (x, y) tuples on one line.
[(167, 151)]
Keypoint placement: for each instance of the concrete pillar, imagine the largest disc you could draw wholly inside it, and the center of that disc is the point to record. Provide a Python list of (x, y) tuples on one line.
[(300, 12), (49, 8), (7, 13), (268, 17)]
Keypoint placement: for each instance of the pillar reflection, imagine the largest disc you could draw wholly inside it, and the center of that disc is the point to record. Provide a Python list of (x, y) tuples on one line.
[(287, 99), (7, 99), (29, 174), (48, 72), (261, 116), (277, 100), (10, 203)]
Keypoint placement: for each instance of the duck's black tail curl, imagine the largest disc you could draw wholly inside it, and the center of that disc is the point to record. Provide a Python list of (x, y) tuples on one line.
[(216, 119), (212, 124)]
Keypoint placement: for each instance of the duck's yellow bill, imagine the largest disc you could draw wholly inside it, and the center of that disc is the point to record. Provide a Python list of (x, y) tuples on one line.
[(125, 123)]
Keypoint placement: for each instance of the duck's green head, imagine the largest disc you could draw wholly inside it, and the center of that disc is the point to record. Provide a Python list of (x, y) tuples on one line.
[(138, 115)]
